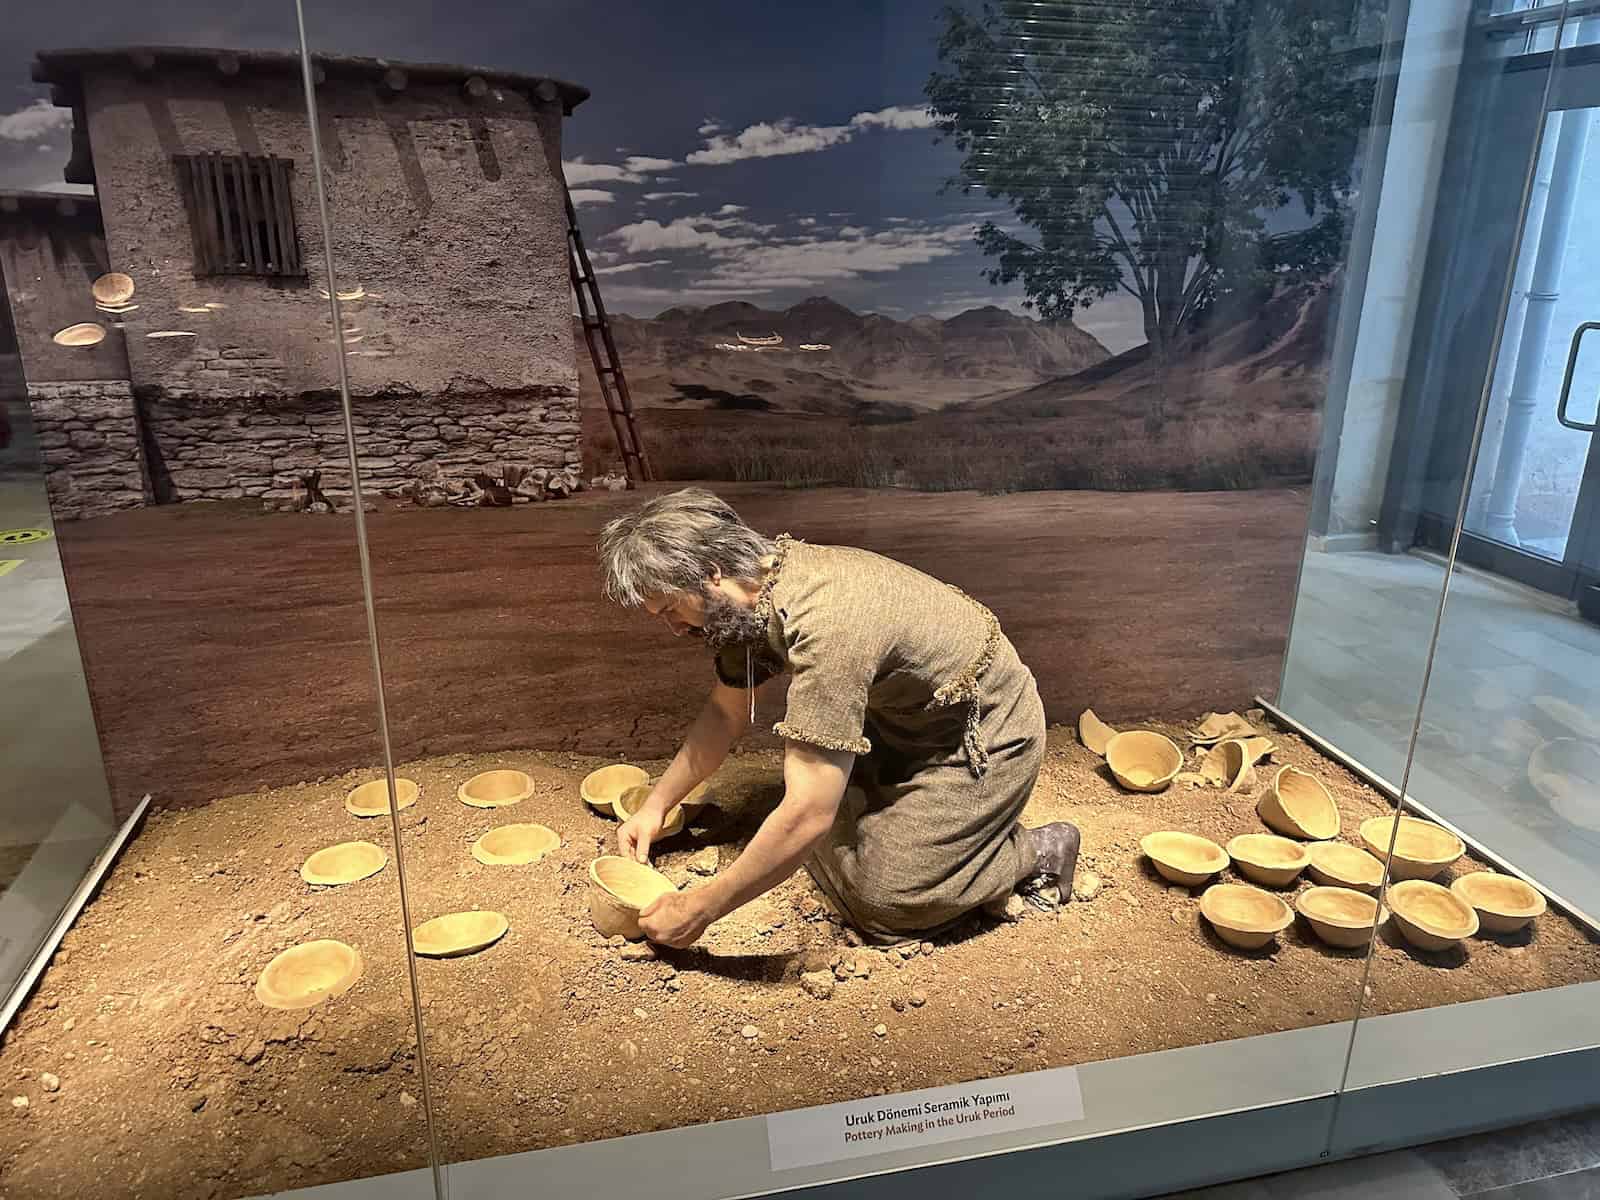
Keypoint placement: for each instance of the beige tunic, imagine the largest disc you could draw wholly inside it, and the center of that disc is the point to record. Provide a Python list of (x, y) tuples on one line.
[(916, 679)]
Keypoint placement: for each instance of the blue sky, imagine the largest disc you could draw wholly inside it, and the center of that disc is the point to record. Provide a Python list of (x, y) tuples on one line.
[(729, 151)]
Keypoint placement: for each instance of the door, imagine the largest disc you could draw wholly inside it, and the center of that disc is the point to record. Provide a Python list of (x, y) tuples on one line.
[(1532, 505)]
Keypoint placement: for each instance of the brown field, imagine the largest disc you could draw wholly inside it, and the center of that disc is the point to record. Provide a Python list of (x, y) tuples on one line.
[(226, 649)]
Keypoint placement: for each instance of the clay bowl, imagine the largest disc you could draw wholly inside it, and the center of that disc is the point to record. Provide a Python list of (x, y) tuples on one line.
[(619, 889), (1143, 761), (1266, 858), (1504, 904), (455, 934), (344, 863), (1421, 850), (1335, 864), (1339, 916), (113, 288), (371, 799), (1227, 764), (1243, 916), (1093, 732), (1566, 774), (304, 976), (632, 798), (515, 845), (495, 789), (1296, 804), (601, 788), (1431, 917), (1183, 858), (85, 333)]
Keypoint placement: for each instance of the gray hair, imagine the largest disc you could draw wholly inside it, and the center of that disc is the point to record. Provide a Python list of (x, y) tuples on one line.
[(674, 543)]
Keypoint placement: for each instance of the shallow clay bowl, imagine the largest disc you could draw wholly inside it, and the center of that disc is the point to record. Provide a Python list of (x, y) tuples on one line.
[(1339, 916), (1421, 850), (1184, 858), (1504, 904), (304, 976), (601, 788), (1266, 858), (515, 845), (619, 889), (1093, 732), (113, 288), (344, 863), (496, 789), (1431, 917), (372, 799), (1296, 804), (1143, 761), (85, 333), (459, 933), (1335, 864), (1243, 916), (630, 801)]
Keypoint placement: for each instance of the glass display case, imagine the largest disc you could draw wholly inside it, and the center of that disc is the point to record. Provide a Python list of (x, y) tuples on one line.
[(994, 589)]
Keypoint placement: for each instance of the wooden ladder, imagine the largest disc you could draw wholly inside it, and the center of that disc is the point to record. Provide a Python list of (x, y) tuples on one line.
[(603, 351)]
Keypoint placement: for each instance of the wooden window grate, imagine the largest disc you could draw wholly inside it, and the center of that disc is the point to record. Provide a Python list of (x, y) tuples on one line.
[(241, 214)]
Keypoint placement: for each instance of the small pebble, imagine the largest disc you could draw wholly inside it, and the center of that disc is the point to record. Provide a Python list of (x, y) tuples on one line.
[(49, 1082), (70, 1025), (898, 1003), (639, 1012), (407, 1100), (19, 1102), (927, 947), (750, 1031), (880, 1031), (918, 998)]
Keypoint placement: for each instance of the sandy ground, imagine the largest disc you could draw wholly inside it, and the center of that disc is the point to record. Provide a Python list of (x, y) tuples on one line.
[(226, 649), (173, 1082)]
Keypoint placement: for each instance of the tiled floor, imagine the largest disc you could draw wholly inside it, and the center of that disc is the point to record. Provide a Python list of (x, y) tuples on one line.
[(1509, 747), (1550, 1160)]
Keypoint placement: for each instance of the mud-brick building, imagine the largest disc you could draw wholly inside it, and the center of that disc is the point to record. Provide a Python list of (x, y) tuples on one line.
[(449, 232)]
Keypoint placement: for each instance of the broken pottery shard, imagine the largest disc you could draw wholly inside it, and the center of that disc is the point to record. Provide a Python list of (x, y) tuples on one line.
[(1214, 727), (1225, 764), (1093, 732)]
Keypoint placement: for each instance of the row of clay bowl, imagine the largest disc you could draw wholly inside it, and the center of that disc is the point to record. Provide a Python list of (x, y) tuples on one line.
[(619, 888), (308, 974), (1342, 909)]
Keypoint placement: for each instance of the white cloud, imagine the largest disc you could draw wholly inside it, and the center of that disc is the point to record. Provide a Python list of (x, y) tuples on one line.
[(773, 139), (582, 196), (709, 126), (681, 233), (623, 268), (39, 121), (670, 195), (728, 210), (635, 168), (896, 116)]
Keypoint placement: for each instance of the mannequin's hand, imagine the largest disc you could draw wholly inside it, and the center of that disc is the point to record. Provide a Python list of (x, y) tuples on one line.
[(637, 833), (675, 919)]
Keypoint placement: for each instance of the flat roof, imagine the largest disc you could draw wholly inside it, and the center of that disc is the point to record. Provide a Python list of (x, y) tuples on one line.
[(59, 206), (65, 68)]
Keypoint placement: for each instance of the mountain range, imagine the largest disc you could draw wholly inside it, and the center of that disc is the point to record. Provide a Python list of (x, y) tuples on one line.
[(821, 357)]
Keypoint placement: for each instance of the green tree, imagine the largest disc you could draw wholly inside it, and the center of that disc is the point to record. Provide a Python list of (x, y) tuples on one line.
[(1153, 146)]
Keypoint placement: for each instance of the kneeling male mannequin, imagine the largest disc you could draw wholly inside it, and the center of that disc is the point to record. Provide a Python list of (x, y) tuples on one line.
[(902, 686)]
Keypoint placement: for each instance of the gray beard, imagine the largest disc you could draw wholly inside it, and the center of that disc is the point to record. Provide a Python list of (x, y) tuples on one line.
[(730, 624)]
